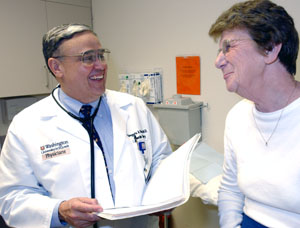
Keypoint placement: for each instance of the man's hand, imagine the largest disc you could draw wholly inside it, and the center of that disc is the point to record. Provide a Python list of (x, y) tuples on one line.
[(79, 212)]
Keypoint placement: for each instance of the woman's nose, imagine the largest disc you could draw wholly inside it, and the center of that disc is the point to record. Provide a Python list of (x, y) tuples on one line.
[(220, 60)]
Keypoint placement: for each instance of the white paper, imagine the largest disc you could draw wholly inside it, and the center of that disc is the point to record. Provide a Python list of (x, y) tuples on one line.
[(167, 188), (206, 163)]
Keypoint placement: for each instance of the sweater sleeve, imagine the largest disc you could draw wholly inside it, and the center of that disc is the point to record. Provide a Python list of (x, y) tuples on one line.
[(230, 198)]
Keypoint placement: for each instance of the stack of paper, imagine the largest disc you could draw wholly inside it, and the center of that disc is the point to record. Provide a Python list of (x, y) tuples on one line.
[(169, 187)]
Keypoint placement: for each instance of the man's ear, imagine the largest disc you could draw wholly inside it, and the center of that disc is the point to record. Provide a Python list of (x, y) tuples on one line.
[(56, 67), (272, 55)]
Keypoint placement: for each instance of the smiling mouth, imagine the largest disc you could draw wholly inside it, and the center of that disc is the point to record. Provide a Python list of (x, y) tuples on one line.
[(227, 75), (97, 77)]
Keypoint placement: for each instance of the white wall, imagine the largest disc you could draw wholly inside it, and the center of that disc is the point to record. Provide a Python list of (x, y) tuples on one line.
[(145, 34)]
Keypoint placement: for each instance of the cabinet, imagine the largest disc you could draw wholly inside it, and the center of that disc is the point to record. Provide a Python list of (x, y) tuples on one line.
[(61, 12), (22, 68), (23, 24)]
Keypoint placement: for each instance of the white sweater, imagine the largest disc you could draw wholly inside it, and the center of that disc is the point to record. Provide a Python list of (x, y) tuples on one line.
[(261, 181)]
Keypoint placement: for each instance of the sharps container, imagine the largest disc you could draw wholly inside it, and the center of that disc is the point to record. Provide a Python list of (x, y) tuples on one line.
[(180, 118)]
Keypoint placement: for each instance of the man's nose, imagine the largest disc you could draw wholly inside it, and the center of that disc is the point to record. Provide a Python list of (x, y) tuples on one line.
[(101, 64)]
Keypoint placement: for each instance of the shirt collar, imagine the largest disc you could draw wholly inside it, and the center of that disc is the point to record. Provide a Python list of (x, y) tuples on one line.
[(71, 104)]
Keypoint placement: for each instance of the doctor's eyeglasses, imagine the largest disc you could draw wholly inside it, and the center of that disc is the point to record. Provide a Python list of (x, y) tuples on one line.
[(91, 56)]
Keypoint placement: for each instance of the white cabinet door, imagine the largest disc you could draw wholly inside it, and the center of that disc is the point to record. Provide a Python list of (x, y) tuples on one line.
[(59, 13), (22, 71), (23, 24)]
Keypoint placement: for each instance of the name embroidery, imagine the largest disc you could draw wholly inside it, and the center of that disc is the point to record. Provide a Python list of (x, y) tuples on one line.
[(140, 134)]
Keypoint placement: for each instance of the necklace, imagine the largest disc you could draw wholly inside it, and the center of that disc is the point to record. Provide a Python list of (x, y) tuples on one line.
[(267, 141)]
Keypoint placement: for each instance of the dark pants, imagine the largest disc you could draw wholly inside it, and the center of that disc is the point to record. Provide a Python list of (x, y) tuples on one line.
[(250, 223)]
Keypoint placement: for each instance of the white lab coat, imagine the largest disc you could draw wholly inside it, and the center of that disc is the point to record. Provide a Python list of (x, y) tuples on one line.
[(31, 183)]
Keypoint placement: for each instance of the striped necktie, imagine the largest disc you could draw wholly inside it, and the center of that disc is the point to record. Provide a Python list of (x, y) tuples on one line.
[(85, 110)]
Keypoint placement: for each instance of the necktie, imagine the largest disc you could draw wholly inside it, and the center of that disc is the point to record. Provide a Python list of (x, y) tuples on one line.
[(85, 110)]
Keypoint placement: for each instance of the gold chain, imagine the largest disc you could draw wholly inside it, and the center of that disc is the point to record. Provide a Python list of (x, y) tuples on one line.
[(267, 141)]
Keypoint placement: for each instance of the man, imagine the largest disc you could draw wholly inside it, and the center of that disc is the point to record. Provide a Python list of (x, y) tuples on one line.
[(48, 157)]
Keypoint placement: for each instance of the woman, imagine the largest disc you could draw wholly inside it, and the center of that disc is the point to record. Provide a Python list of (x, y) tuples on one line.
[(260, 186)]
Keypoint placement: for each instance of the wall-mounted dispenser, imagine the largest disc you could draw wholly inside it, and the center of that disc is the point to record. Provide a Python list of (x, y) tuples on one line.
[(180, 117)]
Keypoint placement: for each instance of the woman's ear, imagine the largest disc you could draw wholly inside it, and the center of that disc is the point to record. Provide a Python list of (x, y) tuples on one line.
[(56, 67), (272, 55)]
